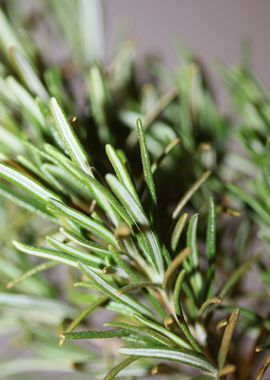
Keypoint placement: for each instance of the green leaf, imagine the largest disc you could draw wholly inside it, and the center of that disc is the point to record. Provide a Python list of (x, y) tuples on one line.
[(94, 334), (26, 183), (180, 318), (96, 228), (162, 330), (85, 313), (121, 171), (148, 175), (25, 100), (136, 287), (119, 367), (113, 292), (100, 193), (25, 201), (45, 253), (236, 275), (99, 96), (142, 330), (132, 274), (211, 247), (153, 113), (177, 231), (70, 140), (251, 201), (139, 218), (177, 292), (31, 272), (195, 278), (7, 36), (183, 357), (28, 74), (79, 255), (93, 247)]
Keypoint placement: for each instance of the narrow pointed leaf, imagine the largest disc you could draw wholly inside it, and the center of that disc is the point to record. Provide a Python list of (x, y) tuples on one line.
[(28, 74), (113, 292), (263, 368), (125, 266), (148, 175), (142, 330), (26, 183), (95, 334), (70, 140), (177, 231), (23, 200), (236, 276), (183, 357), (155, 326), (45, 253), (59, 208), (227, 337), (139, 218), (121, 171), (92, 246), (190, 193), (211, 247), (119, 367), (24, 99), (177, 261), (85, 313), (179, 313), (196, 278), (31, 272), (76, 253)]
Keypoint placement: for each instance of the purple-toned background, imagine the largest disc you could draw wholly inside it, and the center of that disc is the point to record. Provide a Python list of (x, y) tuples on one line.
[(213, 29)]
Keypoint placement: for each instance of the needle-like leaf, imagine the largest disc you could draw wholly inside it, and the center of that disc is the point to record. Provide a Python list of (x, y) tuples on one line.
[(78, 254), (119, 367), (183, 357), (85, 313), (177, 231), (155, 326), (142, 330), (148, 175), (31, 272), (181, 204), (45, 253), (28, 74), (138, 216), (196, 279), (95, 334), (26, 183), (177, 261), (59, 208), (211, 247), (121, 171), (113, 292), (227, 337), (70, 140)]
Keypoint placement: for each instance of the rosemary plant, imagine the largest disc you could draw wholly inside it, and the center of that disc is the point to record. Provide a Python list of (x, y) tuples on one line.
[(125, 209)]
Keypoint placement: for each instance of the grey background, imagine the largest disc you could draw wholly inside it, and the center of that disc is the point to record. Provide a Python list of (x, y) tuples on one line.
[(213, 29)]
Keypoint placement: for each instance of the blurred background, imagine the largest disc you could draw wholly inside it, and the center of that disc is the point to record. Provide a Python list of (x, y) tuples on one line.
[(212, 29)]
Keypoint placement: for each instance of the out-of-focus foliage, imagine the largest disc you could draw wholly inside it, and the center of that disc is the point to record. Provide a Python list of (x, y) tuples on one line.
[(127, 196)]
